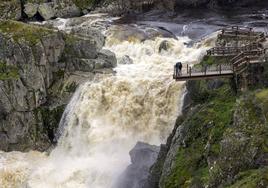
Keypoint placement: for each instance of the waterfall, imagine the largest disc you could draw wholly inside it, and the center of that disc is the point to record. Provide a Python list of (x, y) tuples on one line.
[(105, 119)]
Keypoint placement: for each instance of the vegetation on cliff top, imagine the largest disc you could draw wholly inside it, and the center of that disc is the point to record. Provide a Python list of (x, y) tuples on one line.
[(23, 32)]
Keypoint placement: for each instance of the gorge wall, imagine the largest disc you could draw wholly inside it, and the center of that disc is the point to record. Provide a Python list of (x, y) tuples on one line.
[(40, 69), (220, 142)]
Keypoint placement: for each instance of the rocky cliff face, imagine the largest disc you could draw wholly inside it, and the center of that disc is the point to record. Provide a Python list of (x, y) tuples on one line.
[(40, 68), (220, 142), (44, 9)]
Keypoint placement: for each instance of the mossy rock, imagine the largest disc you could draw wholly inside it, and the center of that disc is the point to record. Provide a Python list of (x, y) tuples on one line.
[(251, 179), (85, 4), (8, 72), (22, 32), (204, 130), (262, 96), (244, 145), (50, 119)]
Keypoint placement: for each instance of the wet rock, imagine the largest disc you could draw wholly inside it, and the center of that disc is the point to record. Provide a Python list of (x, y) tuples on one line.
[(164, 46), (125, 60), (4, 141), (108, 57), (142, 158)]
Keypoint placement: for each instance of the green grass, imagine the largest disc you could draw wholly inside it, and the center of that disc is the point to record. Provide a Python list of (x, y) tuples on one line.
[(8, 72), (251, 179), (21, 31), (208, 123), (262, 96), (83, 4)]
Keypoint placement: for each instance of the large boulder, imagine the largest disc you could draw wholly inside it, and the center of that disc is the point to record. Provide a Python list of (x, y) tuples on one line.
[(143, 156), (66, 10), (125, 60), (88, 32), (108, 57), (30, 9), (46, 11)]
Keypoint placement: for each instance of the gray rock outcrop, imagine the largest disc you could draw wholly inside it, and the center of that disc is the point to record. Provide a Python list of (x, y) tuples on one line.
[(218, 142), (43, 9), (125, 60), (142, 157), (30, 9), (46, 11), (39, 70)]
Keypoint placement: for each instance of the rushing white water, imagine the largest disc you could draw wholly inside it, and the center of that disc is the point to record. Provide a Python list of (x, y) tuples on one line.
[(105, 119)]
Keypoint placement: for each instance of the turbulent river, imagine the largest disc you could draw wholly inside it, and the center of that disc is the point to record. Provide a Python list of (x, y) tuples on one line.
[(106, 118)]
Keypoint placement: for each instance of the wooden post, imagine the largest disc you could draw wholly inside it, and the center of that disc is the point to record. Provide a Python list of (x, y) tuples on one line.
[(220, 68), (205, 70), (190, 71), (187, 68)]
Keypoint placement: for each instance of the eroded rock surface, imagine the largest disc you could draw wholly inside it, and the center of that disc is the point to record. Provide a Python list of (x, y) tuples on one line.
[(40, 69), (142, 157)]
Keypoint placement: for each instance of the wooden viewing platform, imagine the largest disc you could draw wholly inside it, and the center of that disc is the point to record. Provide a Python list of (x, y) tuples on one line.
[(240, 58), (242, 32), (195, 73)]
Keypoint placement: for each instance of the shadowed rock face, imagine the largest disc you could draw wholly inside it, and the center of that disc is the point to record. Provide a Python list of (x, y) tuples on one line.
[(39, 71), (142, 157)]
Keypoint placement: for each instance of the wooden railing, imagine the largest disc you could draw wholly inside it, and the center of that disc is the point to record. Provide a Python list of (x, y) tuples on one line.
[(249, 54), (232, 50), (244, 56), (241, 61), (204, 70), (236, 30)]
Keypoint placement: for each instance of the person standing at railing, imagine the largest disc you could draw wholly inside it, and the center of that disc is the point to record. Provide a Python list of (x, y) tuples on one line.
[(178, 68)]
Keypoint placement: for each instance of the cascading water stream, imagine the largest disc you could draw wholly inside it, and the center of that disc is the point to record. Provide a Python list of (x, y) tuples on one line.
[(105, 119)]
